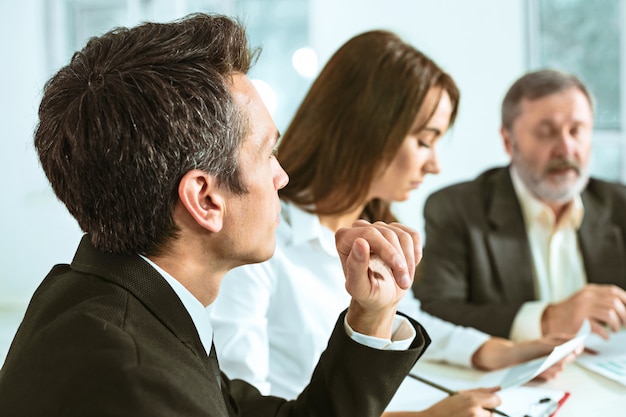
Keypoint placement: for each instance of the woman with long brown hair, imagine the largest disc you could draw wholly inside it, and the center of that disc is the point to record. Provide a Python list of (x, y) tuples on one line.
[(364, 136)]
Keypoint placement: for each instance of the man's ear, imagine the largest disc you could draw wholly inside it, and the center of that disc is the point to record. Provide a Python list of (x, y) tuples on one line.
[(506, 138), (203, 199)]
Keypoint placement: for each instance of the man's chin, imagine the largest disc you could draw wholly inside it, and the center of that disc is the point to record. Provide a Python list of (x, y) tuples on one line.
[(559, 188), (266, 255)]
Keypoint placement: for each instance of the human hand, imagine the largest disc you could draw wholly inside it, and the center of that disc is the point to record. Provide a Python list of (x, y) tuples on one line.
[(603, 305), (497, 353), (378, 261), (555, 340), (470, 403)]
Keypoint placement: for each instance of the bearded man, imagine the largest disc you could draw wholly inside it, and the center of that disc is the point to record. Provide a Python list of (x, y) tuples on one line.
[(537, 246)]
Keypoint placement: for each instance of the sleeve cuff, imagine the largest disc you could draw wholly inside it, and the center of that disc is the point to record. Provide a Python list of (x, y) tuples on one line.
[(402, 335), (527, 323)]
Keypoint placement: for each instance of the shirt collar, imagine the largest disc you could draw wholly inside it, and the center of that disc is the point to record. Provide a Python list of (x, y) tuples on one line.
[(305, 227), (535, 210), (199, 314)]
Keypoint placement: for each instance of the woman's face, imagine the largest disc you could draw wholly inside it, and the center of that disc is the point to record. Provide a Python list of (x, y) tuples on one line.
[(416, 156)]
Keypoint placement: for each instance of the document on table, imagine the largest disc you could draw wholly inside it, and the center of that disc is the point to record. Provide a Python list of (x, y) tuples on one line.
[(610, 357), (520, 374), (517, 400), (521, 401), (531, 401)]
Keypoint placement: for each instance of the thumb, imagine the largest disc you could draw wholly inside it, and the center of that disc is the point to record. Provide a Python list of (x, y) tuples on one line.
[(357, 266)]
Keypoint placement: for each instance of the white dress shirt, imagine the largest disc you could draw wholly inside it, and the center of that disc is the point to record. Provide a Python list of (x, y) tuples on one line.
[(272, 320), (403, 332), (194, 307), (557, 261)]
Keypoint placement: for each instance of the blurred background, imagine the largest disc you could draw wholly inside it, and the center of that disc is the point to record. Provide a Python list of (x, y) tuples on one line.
[(484, 44)]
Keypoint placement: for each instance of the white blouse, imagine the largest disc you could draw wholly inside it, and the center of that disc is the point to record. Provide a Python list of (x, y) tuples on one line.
[(272, 320)]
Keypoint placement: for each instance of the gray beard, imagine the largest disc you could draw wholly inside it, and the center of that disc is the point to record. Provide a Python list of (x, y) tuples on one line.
[(558, 190)]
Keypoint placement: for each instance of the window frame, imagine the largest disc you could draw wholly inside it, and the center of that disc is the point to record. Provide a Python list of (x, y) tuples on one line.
[(612, 138)]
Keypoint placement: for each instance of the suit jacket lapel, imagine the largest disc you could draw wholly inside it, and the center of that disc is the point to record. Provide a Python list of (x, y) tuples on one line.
[(146, 284), (601, 243), (507, 241)]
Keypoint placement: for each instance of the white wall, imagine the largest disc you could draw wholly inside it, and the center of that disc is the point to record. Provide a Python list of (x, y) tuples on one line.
[(480, 42), (35, 230)]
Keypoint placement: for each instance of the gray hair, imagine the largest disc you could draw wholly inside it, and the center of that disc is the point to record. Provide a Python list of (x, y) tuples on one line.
[(535, 85)]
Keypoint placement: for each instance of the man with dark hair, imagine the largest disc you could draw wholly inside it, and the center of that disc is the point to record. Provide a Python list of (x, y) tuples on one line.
[(160, 147), (535, 247)]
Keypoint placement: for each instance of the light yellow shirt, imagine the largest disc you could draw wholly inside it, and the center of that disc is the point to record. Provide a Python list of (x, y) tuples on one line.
[(557, 261)]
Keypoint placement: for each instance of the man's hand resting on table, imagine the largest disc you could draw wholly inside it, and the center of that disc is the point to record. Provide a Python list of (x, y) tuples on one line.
[(603, 305)]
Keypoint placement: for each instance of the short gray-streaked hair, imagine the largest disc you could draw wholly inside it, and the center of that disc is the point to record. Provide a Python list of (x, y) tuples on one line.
[(535, 85)]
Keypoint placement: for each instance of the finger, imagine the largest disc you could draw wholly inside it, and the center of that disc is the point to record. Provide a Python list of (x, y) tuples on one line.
[(384, 241), (490, 400), (606, 315), (555, 339), (547, 375), (559, 367), (613, 297), (414, 241), (598, 328), (556, 369), (620, 309), (619, 293), (404, 239), (579, 350), (488, 390), (614, 320), (570, 358), (357, 264), (379, 269)]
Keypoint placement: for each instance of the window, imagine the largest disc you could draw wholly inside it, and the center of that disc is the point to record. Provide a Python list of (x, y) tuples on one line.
[(287, 64), (587, 39), (280, 27)]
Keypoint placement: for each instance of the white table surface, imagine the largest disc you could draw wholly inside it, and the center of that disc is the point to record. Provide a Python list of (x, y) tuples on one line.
[(591, 394)]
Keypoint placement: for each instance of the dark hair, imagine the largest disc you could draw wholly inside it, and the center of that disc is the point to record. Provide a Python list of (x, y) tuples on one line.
[(353, 120), (535, 85), (134, 111)]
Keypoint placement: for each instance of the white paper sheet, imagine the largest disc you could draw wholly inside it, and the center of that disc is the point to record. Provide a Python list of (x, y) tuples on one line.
[(610, 357), (520, 374), (530, 401), (517, 400)]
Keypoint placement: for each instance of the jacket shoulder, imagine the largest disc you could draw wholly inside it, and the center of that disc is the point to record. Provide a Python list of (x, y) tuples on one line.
[(472, 188), (605, 189)]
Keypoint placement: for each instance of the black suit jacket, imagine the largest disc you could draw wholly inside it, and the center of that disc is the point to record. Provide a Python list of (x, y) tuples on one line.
[(107, 336), (477, 268)]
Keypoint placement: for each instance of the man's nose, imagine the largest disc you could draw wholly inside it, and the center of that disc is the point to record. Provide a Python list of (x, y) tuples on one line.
[(566, 144), (281, 178)]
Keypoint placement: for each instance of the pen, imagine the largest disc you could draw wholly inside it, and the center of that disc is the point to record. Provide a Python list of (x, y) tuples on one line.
[(451, 392), (590, 351), (551, 409)]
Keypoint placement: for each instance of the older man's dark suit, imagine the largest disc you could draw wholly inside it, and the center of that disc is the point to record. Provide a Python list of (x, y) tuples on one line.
[(477, 268), (107, 336)]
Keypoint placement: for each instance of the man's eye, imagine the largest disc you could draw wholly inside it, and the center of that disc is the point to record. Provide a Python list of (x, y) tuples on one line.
[(545, 133)]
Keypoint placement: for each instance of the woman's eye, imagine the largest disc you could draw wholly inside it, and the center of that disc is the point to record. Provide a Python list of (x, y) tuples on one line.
[(423, 144)]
